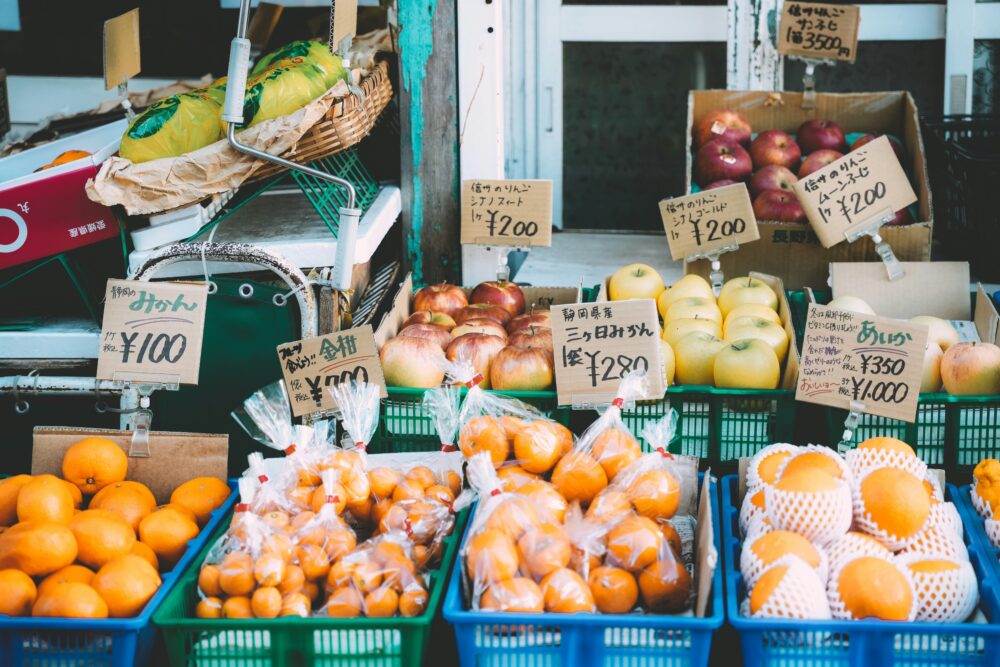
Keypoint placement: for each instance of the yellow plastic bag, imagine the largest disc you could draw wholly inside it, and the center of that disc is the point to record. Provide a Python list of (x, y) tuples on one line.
[(279, 91), (173, 126), (308, 50)]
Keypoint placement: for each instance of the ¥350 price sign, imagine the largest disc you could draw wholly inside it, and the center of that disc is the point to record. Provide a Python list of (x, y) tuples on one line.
[(708, 221), (821, 31), (504, 212), (852, 357), (598, 344), (152, 332)]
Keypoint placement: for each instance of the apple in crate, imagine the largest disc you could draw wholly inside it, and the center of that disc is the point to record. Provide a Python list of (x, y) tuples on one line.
[(521, 369), (691, 285), (412, 362), (480, 325), (940, 331), (902, 217), (747, 364), (971, 369), (778, 205), (816, 134), (897, 147), (428, 332), (722, 124), (930, 377), (537, 337), (503, 293), (720, 184), (775, 147), (487, 311), (479, 349), (853, 304), (537, 318), (443, 320), (694, 358), (635, 281), (772, 177), (818, 160), (738, 291), (443, 298), (720, 159), (760, 329), (674, 330)]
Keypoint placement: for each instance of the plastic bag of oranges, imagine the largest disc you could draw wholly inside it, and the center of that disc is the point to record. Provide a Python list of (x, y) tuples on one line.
[(320, 536), (358, 403), (379, 579)]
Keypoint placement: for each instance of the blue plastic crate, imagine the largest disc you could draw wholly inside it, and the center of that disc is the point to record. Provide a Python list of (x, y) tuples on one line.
[(973, 521), (584, 640), (119, 642), (837, 643)]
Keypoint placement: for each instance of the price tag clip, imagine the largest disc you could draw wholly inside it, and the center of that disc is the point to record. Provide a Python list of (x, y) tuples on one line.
[(140, 434), (809, 81), (850, 426), (715, 277), (871, 227)]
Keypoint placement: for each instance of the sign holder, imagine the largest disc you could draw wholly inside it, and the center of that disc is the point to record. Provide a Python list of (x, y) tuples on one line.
[(871, 228), (122, 56), (715, 277), (850, 426), (143, 415), (809, 79)]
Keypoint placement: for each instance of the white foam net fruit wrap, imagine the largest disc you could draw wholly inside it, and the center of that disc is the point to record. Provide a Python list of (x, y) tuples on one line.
[(983, 507), (948, 596), (845, 472), (945, 517), (754, 481), (852, 545), (817, 516), (749, 512), (936, 541), (837, 607), (751, 566), (993, 531), (865, 522), (800, 594), (863, 461)]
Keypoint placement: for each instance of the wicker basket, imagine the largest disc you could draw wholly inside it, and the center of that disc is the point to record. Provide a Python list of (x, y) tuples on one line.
[(346, 123)]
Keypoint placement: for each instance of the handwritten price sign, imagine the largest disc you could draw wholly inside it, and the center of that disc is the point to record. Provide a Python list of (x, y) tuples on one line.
[(313, 365), (501, 212), (814, 30), (596, 345), (854, 191), (848, 357), (708, 221), (152, 332)]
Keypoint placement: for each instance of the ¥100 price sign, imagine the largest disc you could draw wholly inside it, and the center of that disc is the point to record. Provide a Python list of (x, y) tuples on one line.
[(708, 221), (852, 357), (598, 344), (152, 332), (504, 212)]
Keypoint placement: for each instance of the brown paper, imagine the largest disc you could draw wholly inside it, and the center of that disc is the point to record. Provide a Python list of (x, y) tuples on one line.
[(874, 361), (174, 457), (852, 192), (708, 221), (707, 556), (507, 212), (940, 289), (597, 344), (152, 332), (121, 49), (310, 367), (820, 31)]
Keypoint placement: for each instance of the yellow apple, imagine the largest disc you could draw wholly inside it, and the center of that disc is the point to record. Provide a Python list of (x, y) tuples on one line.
[(739, 291), (668, 363), (674, 330), (691, 285), (941, 331), (747, 364), (970, 369), (930, 378), (853, 304), (695, 355), (635, 281), (693, 306), (761, 329), (751, 310)]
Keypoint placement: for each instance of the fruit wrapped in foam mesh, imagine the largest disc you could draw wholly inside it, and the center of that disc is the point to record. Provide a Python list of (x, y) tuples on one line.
[(753, 511), (937, 541), (816, 457), (871, 587), (891, 505), (811, 503), (789, 588), (762, 550), (763, 466), (851, 545), (884, 452), (946, 588), (993, 531)]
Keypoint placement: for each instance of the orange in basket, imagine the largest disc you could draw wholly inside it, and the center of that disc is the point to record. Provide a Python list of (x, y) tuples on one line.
[(579, 477), (484, 434), (615, 450)]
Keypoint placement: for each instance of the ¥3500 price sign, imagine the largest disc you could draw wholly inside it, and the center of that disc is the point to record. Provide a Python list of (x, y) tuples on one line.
[(876, 362), (152, 332), (504, 212), (598, 344), (708, 221), (821, 31)]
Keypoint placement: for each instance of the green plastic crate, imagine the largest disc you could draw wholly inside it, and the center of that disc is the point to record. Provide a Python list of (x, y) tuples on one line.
[(293, 641), (950, 432)]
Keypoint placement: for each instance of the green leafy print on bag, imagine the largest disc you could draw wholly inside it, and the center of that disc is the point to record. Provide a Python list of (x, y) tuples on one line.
[(153, 119)]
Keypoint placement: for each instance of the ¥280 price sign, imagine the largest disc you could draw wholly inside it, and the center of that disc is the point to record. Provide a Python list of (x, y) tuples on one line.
[(506, 212), (852, 357), (707, 221)]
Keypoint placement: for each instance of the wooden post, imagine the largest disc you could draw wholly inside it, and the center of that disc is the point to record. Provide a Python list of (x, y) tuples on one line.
[(428, 110), (753, 61)]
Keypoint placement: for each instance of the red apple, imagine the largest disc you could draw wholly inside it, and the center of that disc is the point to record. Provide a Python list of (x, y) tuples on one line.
[(480, 325), (521, 369), (720, 184), (775, 147), (443, 298), (540, 337), (771, 177), (722, 124), (719, 159), (487, 311), (412, 362), (897, 147), (902, 217), (778, 205), (818, 160), (534, 318), (814, 135), (503, 293), (442, 320), (429, 332), (479, 349), (969, 369)]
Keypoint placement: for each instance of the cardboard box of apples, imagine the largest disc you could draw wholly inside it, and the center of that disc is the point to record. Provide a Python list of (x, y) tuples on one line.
[(768, 141)]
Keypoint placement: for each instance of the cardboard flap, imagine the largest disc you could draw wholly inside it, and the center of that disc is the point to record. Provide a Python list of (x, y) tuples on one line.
[(986, 317), (928, 288), (175, 457), (707, 555)]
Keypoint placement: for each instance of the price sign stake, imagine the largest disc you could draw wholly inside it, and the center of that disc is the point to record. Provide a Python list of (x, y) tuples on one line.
[(312, 365), (598, 344), (152, 332), (861, 363), (508, 213), (121, 49), (819, 31)]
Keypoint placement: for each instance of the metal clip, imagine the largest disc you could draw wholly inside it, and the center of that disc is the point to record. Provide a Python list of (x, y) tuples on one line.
[(870, 228), (715, 277), (503, 269), (140, 434), (850, 426), (125, 101), (809, 84)]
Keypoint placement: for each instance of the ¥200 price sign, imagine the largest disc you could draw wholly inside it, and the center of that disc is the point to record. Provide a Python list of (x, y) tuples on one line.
[(852, 357), (152, 332), (708, 221), (821, 31), (506, 212), (596, 345)]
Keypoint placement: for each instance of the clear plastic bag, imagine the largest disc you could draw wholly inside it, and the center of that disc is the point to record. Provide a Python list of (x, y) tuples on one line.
[(358, 403)]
